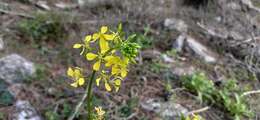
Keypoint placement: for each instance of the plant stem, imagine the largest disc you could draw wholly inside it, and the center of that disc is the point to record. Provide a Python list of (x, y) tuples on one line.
[(89, 96), (86, 94)]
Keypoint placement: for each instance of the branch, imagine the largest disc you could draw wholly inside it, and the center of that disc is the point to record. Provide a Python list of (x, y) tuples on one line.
[(250, 92), (198, 110), (78, 106), (15, 13)]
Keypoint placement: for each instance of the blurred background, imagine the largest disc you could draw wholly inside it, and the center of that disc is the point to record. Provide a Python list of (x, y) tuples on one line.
[(198, 57)]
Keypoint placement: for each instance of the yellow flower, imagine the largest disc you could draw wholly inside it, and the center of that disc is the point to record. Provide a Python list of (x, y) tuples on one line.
[(117, 84), (119, 66), (77, 76), (100, 113), (194, 117), (92, 56), (103, 37), (107, 86), (197, 117), (105, 78), (87, 40), (85, 45)]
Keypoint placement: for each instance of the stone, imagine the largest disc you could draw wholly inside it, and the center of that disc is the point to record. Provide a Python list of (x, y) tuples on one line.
[(167, 110), (25, 111), (175, 24), (95, 3), (251, 5), (1, 43), (179, 43), (63, 5), (150, 54), (234, 6), (43, 5), (15, 69), (183, 69), (199, 49), (167, 59)]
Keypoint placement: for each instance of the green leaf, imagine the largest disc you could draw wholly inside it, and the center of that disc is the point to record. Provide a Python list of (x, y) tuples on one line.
[(6, 98)]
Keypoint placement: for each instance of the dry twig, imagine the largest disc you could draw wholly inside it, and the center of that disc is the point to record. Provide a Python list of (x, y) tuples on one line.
[(199, 110), (15, 13), (250, 93)]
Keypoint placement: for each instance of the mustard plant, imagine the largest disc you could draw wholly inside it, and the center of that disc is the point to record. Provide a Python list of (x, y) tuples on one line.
[(192, 117), (110, 52)]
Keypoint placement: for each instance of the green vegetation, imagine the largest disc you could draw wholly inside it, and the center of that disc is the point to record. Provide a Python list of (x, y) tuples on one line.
[(41, 74), (198, 83), (44, 27), (6, 97), (144, 40), (227, 96), (127, 109)]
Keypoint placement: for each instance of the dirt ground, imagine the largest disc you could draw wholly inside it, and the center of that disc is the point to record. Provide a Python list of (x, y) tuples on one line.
[(50, 92)]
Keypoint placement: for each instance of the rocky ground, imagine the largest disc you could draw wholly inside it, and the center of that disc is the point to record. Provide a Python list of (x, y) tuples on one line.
[(179, 38)]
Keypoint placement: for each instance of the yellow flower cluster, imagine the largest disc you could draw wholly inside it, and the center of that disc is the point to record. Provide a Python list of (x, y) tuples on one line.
[(110, 60), (100, 113), (195, 117), (77, 76)]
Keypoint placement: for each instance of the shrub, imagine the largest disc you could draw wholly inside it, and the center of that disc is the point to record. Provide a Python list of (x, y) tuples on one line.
[(44, 27), (228, 96)]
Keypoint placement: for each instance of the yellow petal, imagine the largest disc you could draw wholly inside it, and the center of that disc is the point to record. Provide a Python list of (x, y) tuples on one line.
[(88, 38), (95, 36), (91, 56), (108, 37), (103, 45), (123, 73), (117, 82), (75, 84), (96, 66), (104, 29), (108, 58), (113, 51), (77, 46), (107, 86), (81, 81), (77, 73), (70, 72), (115, 70), (98, 81)]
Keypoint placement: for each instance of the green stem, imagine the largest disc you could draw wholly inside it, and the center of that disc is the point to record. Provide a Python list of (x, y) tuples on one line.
[(89, 97)]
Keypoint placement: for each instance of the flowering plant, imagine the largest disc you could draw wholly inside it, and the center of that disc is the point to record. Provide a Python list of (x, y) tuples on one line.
[(110, 62)]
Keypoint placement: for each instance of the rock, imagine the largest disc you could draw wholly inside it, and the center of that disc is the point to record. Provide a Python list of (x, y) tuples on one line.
[(63, 5), (95, 3), (15, 69), (150, 54), (167, 59), (175, 24), (201, 50), (251, 5), (178, 44), (235, 35), (43, 5), (167, 110), (25, 111), (1, 43), (183, 69), (234, 6)]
